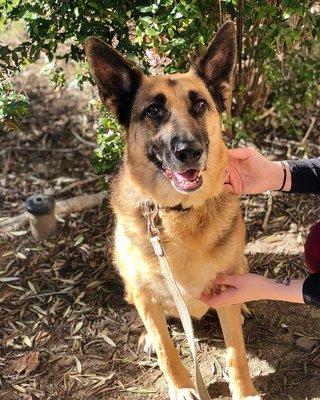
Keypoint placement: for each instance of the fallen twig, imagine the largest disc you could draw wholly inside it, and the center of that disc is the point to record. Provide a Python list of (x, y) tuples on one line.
[(84, 141), (265, 114), (63, 207), (313, 121), (284, 142), (57, 150), (77, 184)]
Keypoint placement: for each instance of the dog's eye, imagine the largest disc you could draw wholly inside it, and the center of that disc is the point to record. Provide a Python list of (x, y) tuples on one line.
[(200, 106), (153, 110)]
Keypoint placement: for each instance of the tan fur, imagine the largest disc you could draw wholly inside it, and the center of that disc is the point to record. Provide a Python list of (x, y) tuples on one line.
[(194, 241), (206, 239)]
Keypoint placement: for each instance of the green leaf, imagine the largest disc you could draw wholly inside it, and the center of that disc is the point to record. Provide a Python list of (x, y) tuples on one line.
[(79, 239)]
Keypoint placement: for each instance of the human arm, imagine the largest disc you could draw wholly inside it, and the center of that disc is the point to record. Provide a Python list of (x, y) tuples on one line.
[(250, 172), (250, 287)]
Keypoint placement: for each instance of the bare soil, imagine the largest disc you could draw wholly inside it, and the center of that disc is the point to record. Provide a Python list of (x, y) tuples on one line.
[(61, 300)]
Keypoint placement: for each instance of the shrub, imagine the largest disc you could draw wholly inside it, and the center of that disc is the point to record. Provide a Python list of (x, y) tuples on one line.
[(13, 104), (110, 144), (278, 44)]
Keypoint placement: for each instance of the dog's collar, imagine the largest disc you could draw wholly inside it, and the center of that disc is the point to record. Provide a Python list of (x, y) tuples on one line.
[(148, 206), (178, 207)]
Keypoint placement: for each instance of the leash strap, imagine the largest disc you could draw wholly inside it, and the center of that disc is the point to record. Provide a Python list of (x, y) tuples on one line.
[(151, 212)]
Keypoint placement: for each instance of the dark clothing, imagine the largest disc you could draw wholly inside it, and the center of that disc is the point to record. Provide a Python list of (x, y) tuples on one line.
[(305, 175), (310, 290), (312, 249)]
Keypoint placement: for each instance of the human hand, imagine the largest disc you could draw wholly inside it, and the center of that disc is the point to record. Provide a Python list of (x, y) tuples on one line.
[(251, 173), (239, 289)]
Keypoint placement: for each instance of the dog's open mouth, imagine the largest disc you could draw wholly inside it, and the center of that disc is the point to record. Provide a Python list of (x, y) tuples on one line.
[(187, 181)]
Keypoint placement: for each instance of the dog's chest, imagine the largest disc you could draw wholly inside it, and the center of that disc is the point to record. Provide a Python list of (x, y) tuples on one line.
[(193, 257), (193, 270)]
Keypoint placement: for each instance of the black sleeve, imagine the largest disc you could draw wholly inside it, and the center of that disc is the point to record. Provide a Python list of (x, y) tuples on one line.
[(311, 290), (305, 175)]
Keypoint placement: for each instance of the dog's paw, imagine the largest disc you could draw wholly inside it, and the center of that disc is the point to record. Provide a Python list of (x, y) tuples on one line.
[(145, 344), (183, 394), (249, 394)]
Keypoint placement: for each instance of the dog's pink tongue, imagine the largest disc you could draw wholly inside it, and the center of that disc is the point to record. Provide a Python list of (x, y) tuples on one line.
[(189, 175)]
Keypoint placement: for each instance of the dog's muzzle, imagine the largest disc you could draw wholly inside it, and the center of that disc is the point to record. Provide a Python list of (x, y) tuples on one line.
[(184, 165)]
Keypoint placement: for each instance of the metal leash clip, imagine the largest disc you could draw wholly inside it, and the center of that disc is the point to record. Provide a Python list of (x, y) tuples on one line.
[(150, 211)]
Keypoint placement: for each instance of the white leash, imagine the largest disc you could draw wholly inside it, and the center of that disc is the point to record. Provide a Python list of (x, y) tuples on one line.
[(150, 212)]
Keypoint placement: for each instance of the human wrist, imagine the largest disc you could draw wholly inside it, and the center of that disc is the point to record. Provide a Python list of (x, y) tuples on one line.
[(288, 290), (288, 184), (280, 176)]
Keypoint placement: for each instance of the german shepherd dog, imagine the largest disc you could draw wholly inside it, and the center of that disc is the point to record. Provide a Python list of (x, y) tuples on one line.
[(175, 155)]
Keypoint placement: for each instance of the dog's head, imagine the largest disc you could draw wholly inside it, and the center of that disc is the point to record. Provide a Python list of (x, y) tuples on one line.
[(174, 150)]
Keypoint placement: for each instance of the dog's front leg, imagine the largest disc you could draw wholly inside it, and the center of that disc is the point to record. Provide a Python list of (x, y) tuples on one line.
[(153, 317), (241, 384)]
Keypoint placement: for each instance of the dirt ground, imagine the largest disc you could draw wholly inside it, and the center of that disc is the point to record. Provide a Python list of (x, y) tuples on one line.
[(66, 331)]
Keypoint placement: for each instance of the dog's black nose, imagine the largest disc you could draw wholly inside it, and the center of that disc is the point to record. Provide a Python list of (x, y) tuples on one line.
[(187, 151)]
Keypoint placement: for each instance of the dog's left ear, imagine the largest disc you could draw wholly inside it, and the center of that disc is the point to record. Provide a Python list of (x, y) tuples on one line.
[(217, 66), (117, 79)]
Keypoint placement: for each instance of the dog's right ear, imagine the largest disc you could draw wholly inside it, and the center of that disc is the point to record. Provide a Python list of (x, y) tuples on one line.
[(117, 80)]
